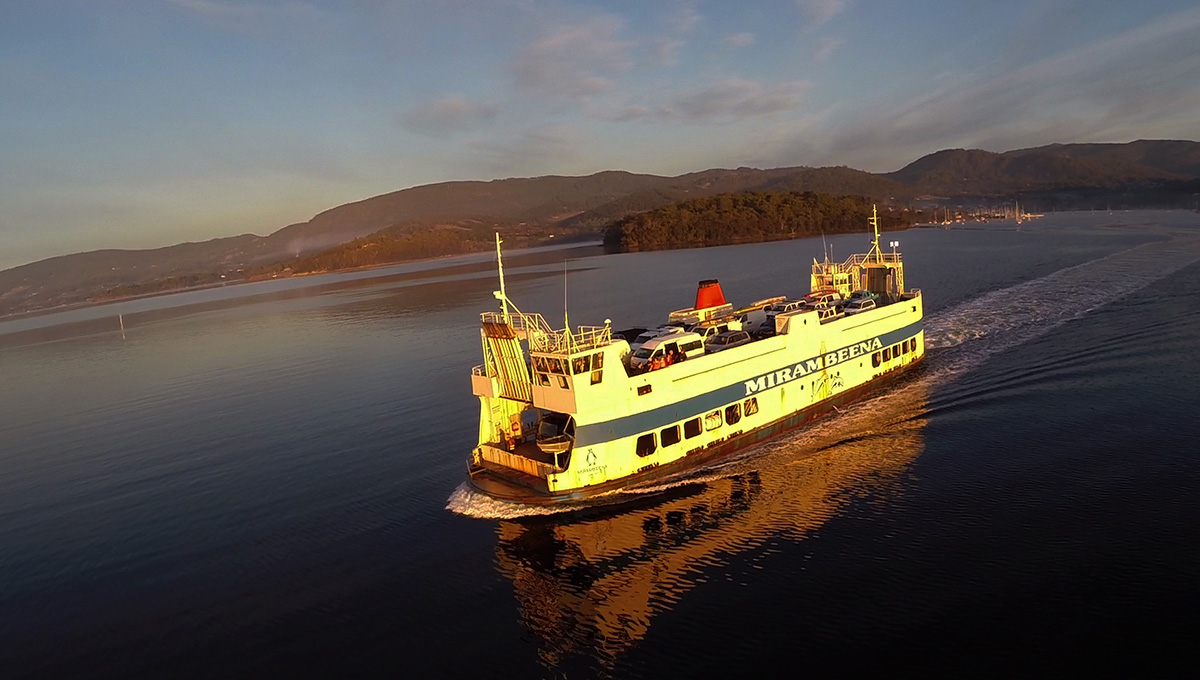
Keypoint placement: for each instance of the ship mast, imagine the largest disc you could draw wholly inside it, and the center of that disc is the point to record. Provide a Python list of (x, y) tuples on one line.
[(501, 294), (875, 251)]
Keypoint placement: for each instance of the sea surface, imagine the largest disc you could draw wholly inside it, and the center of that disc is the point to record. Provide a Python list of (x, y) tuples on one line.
[(267, 480)]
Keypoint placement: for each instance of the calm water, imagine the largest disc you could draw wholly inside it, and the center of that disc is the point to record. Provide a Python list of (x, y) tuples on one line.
[(267, 479)]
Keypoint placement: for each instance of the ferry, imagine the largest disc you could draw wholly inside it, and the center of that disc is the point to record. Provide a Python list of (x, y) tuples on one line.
[(566, 414)]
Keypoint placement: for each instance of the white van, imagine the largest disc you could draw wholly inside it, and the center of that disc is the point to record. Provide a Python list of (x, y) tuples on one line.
[(649, 335), (680, 345)]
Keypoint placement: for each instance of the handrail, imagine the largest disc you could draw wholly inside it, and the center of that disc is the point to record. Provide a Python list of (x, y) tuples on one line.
[(543, 338)]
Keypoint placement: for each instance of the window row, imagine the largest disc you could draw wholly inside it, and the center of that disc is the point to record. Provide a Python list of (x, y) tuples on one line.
[(669, 436), (893, 352)]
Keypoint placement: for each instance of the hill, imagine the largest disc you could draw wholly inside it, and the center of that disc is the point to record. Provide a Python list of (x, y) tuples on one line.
[(458, 216)]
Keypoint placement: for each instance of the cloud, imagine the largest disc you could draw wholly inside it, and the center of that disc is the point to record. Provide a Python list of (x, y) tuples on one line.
[(684, 19), (533, 151), (726, 101), (737, 41), (817, 12), (448, 115), (825, 47), (573, 61), (1143, 82)]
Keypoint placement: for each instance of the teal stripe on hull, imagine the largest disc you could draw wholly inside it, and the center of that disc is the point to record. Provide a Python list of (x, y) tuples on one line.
[(628, 426)]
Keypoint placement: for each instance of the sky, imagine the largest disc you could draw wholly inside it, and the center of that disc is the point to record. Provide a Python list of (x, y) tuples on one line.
[(144, 123)]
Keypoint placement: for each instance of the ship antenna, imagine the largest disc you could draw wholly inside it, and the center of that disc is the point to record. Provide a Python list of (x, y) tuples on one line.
[(566, 321), (500, 266)]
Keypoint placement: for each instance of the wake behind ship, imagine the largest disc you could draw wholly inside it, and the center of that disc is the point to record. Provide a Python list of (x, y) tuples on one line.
[(592, 410)]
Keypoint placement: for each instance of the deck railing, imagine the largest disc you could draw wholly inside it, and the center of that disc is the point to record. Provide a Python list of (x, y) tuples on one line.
[(543, 338), (529, 466)]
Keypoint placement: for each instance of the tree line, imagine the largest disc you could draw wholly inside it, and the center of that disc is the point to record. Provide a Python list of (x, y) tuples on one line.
[(754, 217)]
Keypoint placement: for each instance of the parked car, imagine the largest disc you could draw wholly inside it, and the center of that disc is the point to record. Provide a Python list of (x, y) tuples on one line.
[(859, 305), (863, 295), (726, 340), (819, 298)]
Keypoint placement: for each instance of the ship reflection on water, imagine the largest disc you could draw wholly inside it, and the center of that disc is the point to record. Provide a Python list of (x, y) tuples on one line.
[(591, 584)]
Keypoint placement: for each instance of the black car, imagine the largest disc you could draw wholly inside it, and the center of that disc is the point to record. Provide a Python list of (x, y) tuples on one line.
[(726, 340)]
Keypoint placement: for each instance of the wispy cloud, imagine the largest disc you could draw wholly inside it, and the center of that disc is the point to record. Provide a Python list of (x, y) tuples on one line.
[(1109, 89), (683, 18), (737, 41), (817, 12), (726, 101), (825, 47), (532, 151), (448, 115), (573, 61)]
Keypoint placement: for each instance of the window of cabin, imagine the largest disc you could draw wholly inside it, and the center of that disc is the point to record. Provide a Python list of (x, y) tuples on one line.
[(597, 376), (562, 382), (645, 444), (713, 420), (539, 364), (692, 428), (597, 361), (875, 359), (555, 365), (751, 406), (543, 379), (669, 436), (733, 413), (887, 354), (582, 364)]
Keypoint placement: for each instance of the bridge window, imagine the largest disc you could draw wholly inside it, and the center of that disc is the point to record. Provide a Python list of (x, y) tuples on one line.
[(543, 379), (597, 376), (581, 364), (670, 436), (733, 413), (751, 406), (539, 364), (692, 428), (562, 382), (645, 444), (556, 365), (598, 360)]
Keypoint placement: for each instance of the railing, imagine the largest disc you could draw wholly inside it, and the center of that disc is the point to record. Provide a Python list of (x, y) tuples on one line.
[(479, 370), (543, 338), (517, 462), (867, 258)]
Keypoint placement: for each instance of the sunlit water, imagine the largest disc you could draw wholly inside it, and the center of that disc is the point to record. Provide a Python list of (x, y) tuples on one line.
[(267, 479)]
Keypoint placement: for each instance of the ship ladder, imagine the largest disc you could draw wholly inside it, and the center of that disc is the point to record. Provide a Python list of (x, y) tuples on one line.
[(505, 360)]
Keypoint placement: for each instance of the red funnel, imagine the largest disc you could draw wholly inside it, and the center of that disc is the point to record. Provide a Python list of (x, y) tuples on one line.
[(709, 294)]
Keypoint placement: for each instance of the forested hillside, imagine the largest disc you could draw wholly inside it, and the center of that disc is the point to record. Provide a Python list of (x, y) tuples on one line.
[(748, 218)]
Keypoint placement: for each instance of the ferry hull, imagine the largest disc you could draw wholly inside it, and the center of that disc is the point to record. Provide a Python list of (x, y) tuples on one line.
[(508, 485)]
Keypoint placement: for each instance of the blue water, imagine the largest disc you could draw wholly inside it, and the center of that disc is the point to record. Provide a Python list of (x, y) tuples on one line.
[(256, 479)]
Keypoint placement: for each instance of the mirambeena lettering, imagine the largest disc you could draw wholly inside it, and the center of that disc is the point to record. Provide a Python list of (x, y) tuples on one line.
[(803, 368)]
